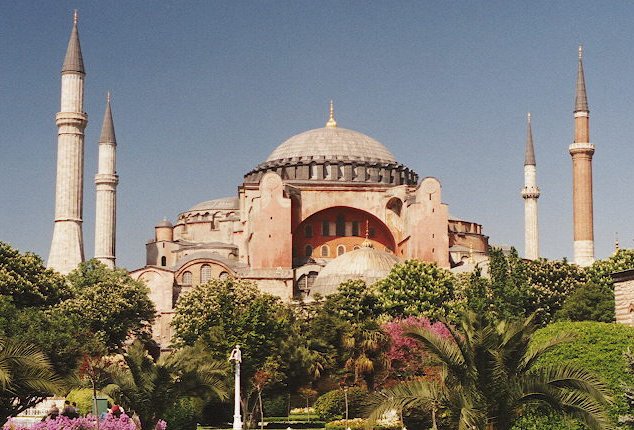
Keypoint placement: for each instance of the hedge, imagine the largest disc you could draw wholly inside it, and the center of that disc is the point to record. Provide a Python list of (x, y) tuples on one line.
[(332, 405)]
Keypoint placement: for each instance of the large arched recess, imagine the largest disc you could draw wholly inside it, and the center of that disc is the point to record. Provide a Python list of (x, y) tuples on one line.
[(313, 234)]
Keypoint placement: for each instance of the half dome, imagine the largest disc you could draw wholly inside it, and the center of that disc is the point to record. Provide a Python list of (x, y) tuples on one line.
[(366, 263), (332, 143)]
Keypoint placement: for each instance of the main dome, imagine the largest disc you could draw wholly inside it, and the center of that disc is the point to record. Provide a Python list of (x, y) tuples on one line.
[(332, 143)]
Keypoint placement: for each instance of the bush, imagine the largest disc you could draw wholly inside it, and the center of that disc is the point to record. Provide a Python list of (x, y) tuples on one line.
[(598, 348), (360, 424), (184, 414), (275, 406), (83, 398), (332, 405)]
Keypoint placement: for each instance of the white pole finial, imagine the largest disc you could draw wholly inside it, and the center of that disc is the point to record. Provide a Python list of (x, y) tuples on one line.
[(529, 117), (580, 52), (108, 97), (75, 16)]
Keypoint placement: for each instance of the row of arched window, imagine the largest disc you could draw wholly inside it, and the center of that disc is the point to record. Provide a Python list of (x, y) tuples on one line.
[(339, 228), (324, 250), (205, 275)]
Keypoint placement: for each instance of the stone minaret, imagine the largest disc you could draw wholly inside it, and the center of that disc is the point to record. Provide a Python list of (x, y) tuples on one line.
[(106, 181), (581, 151), (530, 193), (67, 247)]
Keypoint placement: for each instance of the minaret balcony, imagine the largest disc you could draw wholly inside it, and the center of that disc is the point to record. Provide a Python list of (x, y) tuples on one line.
[(581, 147), (530, 192)]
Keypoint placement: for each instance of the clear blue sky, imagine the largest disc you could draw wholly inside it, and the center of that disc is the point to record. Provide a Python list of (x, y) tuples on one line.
[(203, 91)]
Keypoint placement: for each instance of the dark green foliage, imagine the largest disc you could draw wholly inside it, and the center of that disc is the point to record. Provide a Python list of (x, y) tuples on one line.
[(598, 348), (589, 302), (542, 420), (185, 414), (276, 406), (150, 388), (331, 406), (416, 288)]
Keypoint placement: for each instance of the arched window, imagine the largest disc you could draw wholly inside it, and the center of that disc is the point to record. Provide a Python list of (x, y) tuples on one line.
[(356, 247), (187, 278), (308, 251), (341, 250), (312, 170), (327, 171), (340, 174), (205, 273), (341, 225), (325, 228), (223, 275), (355, 228), (308, 230), (325, 251), (163, 261)]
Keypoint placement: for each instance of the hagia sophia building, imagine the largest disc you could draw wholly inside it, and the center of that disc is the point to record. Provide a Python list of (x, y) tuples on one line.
[(327, 205)]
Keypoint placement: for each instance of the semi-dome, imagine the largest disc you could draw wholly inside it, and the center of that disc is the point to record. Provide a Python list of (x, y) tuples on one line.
[(366, 263), (332, 143)]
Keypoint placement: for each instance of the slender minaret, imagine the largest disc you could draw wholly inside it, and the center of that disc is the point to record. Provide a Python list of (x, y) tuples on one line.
[(581, 151), (67, 247), (106, 181), (530, 193)]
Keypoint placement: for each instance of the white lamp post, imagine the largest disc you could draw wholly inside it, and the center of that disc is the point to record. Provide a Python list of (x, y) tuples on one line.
[(236, 357)]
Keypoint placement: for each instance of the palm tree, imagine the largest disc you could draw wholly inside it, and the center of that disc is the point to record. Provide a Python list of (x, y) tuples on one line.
[(489, 375), (365, 345), (25, 374), (150, 387)]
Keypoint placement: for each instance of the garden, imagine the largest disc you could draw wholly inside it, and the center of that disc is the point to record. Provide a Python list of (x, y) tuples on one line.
[(531, 345)]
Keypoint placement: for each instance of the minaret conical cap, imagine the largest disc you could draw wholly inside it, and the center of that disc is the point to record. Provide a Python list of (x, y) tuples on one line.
[(581, 99), (73, 62), (107, 129), (529, 154)]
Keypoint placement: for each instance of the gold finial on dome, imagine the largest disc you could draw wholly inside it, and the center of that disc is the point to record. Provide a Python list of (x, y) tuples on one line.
[(331, 120), (616, 243), (366, 243)]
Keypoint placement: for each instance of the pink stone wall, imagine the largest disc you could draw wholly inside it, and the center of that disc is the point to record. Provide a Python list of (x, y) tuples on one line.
[(427, 225), (269, 225)]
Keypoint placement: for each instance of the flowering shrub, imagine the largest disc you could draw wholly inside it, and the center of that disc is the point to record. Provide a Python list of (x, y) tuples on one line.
[(89, 422), (406, 355), (361, 424), (302, 411)]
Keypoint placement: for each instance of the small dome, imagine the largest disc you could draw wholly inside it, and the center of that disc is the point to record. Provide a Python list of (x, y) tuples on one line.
[(164, 223), (332, 143), (366, 263), (222, 203)]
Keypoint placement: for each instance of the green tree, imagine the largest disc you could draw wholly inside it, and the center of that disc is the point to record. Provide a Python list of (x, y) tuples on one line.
[(26, 377), (416, 288), (230, 312), (112, 304), (25, 279), (489, 376), (600, 271), (597, 347), (518, 288), (150, 388), (589, 302)]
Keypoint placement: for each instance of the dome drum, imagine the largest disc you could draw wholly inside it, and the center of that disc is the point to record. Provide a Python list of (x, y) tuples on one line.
[(324, 170)]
